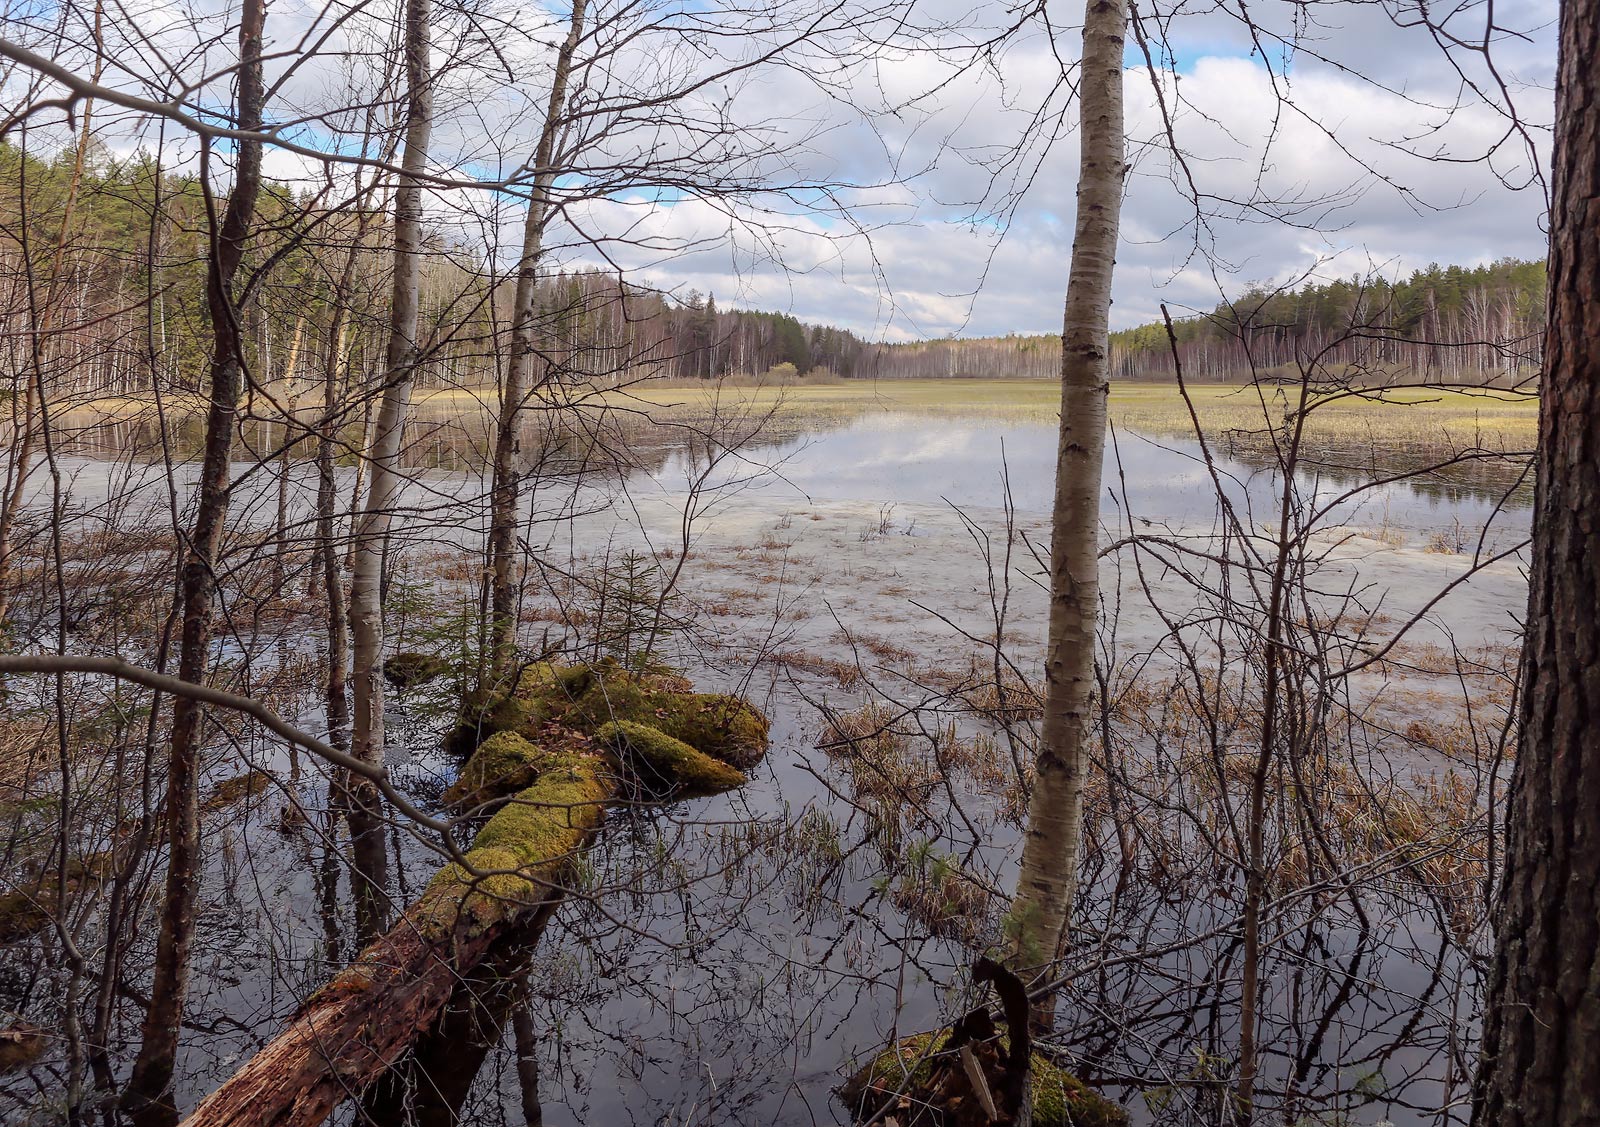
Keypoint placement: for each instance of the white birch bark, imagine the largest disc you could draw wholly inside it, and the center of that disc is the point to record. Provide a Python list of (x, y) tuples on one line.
[(1047, 879)]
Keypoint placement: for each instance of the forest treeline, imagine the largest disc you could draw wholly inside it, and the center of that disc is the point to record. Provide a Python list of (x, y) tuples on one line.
[(1448, 322), (131, 309)]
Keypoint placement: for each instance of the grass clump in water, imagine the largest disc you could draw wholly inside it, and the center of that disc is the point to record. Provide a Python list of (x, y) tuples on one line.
[(913, 1067)]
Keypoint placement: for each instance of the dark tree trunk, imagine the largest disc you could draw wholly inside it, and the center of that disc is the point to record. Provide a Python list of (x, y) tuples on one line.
[(1541, 1045), (148, 1096)]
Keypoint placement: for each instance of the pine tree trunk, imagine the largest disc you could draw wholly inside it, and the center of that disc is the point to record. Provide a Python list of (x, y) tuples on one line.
[(383, 489), (519, 384), (1047, 879), (148, 1096), (1541, 1043)]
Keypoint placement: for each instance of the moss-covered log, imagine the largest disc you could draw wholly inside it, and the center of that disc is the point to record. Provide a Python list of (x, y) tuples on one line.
[(664, 763), (367, 1017), (503, 764), (584, 698)]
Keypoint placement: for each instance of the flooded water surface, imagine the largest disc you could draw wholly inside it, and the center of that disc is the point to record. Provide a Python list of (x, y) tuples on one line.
[(729, 959)]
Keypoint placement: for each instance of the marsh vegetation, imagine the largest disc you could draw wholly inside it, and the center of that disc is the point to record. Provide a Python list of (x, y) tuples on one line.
[(454, 671), (865, 572)]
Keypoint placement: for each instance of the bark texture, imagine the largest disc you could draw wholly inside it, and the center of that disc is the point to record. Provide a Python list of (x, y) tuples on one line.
[(1541, 1046), (1047, 879), (520, 385), (147, 1096), (357, 1027), (383, 489), (395, 998)]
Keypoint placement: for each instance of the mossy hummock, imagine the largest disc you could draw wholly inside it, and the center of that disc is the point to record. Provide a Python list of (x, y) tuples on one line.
[(587, 697), (503, 764), (1059, 1098), (252, 784), (405, 670)]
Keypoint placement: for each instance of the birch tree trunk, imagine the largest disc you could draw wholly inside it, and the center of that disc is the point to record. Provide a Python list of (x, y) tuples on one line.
[(1540, 1065), (148, 1096), (1048, 875), (519, 383), (384, 481)]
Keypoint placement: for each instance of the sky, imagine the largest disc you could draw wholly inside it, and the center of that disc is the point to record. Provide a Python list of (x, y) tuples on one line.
[(1363, 150), (908, 169)]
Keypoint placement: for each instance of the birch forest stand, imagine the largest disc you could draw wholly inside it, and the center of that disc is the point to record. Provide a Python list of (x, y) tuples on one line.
[(548, 760)]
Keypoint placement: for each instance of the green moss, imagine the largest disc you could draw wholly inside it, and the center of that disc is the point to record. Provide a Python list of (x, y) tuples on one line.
[(1059, 1098), (589, 697), (405, 670), (504, 763), (483, 715), (552, 679), (248, 785), (666, 763), (524, 847), (720, 725)]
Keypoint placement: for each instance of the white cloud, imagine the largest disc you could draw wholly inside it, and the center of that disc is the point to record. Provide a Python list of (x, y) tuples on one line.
[(1304, 157)]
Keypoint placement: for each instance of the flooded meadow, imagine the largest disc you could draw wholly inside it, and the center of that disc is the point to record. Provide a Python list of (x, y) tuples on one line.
[(866, 565)]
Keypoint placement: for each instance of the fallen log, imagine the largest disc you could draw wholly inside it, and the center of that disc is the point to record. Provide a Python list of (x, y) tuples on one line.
[(354, 1029), (430, 1084)]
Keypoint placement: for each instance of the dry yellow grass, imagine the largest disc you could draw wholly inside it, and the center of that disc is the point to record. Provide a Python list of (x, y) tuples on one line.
[(1408, 418)]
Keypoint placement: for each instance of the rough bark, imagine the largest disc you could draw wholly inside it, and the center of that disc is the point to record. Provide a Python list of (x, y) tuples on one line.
[(430, 1085), (356, 1028), (148, 1096), (383, 489), (519, 383), (1047, 878), (1540, 1065)]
